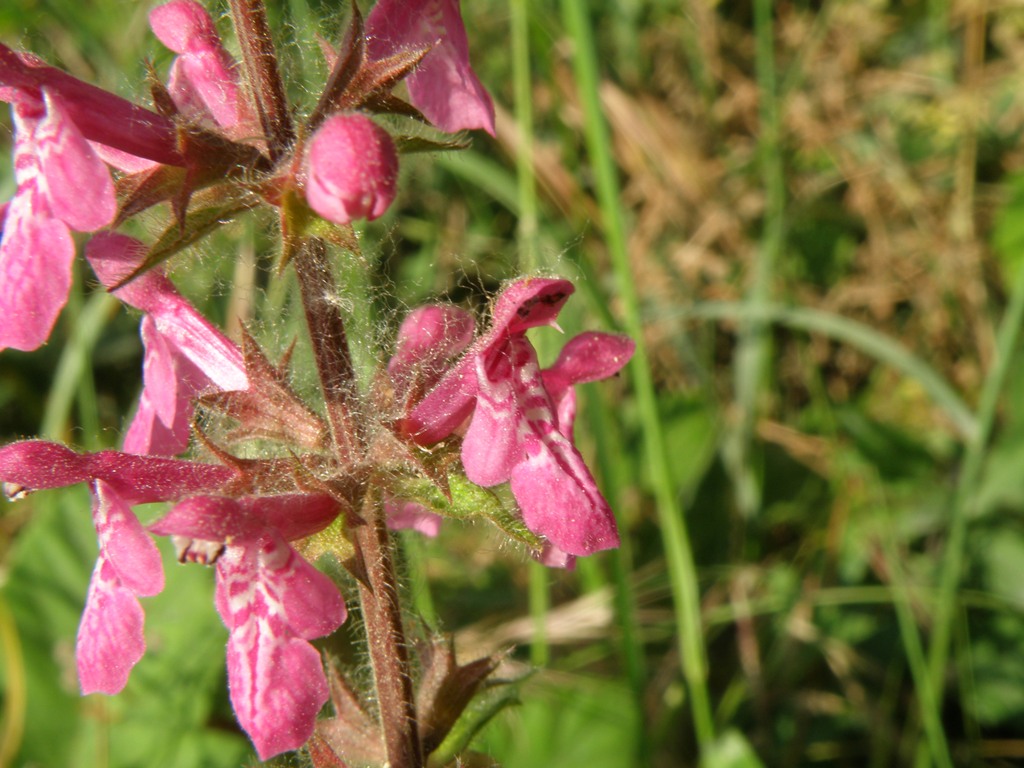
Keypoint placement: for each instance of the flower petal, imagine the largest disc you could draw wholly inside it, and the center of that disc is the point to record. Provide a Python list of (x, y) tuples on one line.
[(553, 557), (444, 86), (183, 26), (408, 515), (218, 518), (99, 115), (295, 516), (446, 406), (559, 498), (36, 253), (352, 169), (591, 356), (161, 424), (310, 600), (114, 257), (203, 79), (110, 638), (211, 518), (207, 80), (77, 182), (185, 353), (277, 685), (524, 304), (428, 338), (492, 443), (121, 160), (276, 679), (124, 543), (36, 464)]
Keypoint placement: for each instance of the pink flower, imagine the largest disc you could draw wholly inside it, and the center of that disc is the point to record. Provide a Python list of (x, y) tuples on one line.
[(351, 169), (203, 81), (272, 602), (591, 356), (520, 427), (100, 116), (186, 355), (62, 185), (110, 636), (443, 87), (64, 131), (428, 339)]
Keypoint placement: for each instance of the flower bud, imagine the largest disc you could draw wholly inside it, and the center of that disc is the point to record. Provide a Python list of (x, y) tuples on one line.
[(352, 167)]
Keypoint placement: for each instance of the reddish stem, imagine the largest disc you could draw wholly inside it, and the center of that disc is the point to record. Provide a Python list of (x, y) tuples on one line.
[(378, 593), (259, 60), (385, 636), (330, 349)]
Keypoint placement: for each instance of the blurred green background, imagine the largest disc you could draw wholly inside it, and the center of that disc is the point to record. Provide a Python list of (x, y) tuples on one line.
[(811, 214)]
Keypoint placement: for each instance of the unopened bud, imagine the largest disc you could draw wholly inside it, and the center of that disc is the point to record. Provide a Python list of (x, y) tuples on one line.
[(352, 167)]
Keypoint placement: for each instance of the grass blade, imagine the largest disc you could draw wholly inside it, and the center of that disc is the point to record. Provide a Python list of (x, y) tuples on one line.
[(675, 538)]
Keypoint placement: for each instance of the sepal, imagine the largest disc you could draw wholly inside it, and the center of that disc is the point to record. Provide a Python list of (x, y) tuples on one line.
[(446, 689), (352, 736), (210, 209), (408, 145), (269, 408), (358, 82)]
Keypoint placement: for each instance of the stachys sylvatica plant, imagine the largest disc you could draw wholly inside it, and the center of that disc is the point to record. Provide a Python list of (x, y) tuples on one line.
[(452, 411)]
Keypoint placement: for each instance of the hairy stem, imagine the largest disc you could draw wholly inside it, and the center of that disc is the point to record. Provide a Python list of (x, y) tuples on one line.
[(385, 638), (259, 60), (378, 586), (330, 347)]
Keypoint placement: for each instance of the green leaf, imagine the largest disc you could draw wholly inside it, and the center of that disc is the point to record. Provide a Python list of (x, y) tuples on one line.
[(467, 501), (1008, 229)]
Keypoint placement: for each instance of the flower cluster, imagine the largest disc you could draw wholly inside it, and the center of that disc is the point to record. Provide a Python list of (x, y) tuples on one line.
[(452, 409)]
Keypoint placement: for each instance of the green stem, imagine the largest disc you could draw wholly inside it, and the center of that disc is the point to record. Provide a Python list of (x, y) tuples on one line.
[(16, 690), (378, 590), (928, 702), (73, 368), (695, 53), (385, 639), (330, 348), (753, 344), (522, 80), (631, 644), (529, 259), (966, 490), (540, 604), (678, 553)]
